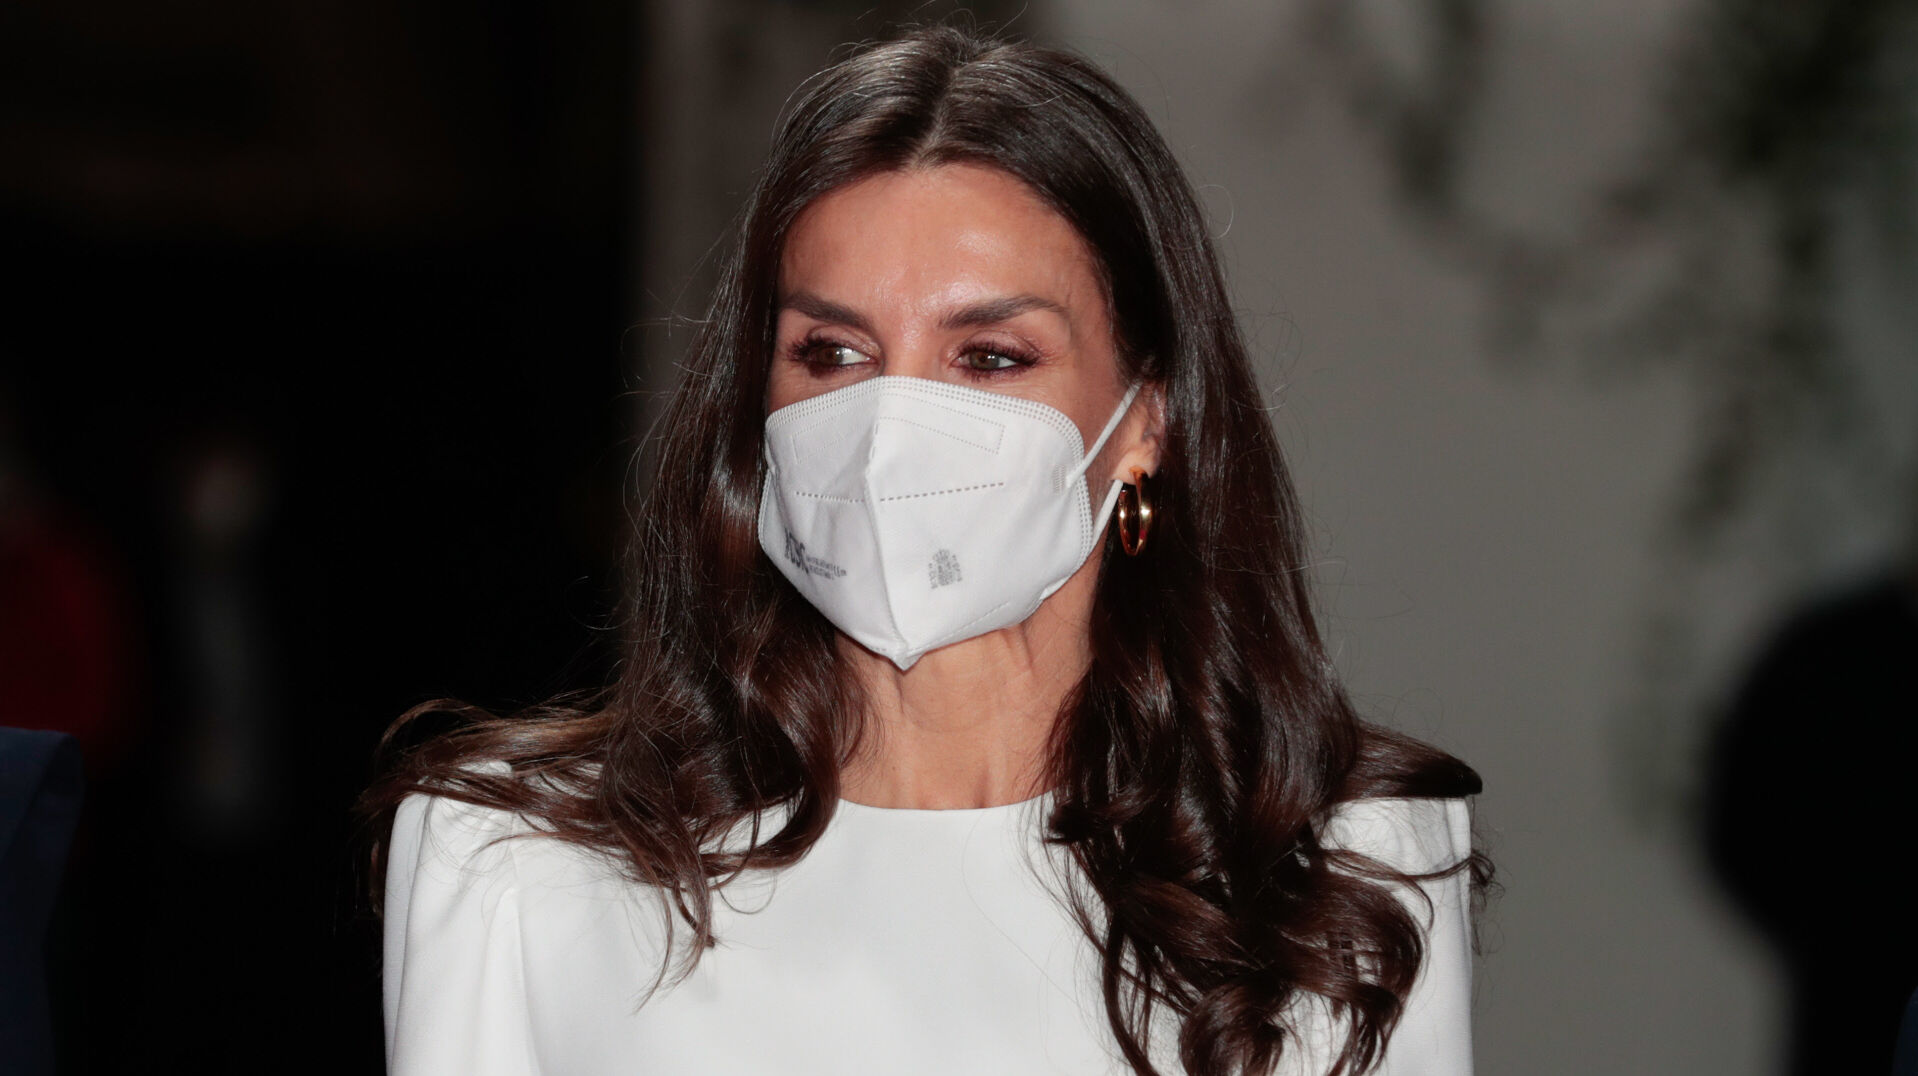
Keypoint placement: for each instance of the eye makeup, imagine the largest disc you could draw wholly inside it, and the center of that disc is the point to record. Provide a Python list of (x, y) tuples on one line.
[(824, 356)]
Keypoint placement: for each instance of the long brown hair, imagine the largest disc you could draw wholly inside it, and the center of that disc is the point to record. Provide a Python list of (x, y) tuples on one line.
[(1209, 736)]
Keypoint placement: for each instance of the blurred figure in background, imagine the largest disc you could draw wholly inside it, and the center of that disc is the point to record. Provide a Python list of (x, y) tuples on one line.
[(65, 658), (1811, 817), (40, 794), (232, 777)]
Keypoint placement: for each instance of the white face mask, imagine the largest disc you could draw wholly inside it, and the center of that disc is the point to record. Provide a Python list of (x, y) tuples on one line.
[(916, 513)]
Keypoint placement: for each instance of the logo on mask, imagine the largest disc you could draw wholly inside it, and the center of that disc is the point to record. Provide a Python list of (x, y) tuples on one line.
[(811, 565), (944, 568)]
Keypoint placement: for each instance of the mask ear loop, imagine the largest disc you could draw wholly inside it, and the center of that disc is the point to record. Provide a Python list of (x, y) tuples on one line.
[(1106, 434), (1112, 495)]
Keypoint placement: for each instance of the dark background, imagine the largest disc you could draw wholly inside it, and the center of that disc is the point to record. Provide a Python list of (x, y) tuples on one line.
[(313, 406)]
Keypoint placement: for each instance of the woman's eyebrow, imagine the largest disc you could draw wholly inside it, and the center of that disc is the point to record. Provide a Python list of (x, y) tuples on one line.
[(994, 311), (971, 316), (813, 306)]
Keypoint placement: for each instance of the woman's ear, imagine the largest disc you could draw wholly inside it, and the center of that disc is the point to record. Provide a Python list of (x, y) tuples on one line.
[(1143, 432)]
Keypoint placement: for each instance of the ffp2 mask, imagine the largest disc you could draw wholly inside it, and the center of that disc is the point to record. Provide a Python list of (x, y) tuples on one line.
[(916, 513)]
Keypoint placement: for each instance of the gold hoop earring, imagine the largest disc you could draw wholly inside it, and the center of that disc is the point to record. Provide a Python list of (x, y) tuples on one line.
[(1135, 510)]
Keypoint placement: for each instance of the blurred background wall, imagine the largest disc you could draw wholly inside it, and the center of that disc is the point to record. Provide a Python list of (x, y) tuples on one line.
[(335, 329)]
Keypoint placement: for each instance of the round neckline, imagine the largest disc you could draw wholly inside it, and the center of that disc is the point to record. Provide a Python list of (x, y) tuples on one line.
[(943, 812)]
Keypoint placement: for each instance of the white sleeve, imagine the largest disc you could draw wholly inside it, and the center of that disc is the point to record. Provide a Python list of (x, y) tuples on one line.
[(1434, 1035), (452, 980)]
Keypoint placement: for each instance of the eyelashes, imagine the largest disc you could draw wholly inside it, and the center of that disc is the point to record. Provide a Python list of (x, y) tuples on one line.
[(987, 360), (819, 352), (824, 356)]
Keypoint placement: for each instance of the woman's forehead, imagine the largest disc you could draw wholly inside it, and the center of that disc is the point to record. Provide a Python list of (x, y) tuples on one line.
[(936, 238)]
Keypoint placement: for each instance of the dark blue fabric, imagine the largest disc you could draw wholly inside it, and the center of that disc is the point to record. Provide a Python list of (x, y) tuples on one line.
[(1906, 1062), (40, 788)]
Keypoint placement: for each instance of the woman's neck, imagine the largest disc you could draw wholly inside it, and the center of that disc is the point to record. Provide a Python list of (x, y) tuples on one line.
[(969, 724)]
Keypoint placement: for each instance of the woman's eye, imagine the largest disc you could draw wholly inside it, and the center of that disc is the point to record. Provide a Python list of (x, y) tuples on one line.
[(824, 353), (989, 359)]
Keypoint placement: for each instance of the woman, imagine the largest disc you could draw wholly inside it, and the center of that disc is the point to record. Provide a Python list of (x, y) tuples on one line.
[(972, 718)]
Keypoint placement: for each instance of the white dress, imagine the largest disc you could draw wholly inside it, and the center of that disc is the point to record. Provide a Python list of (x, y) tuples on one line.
[(907, 941)]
